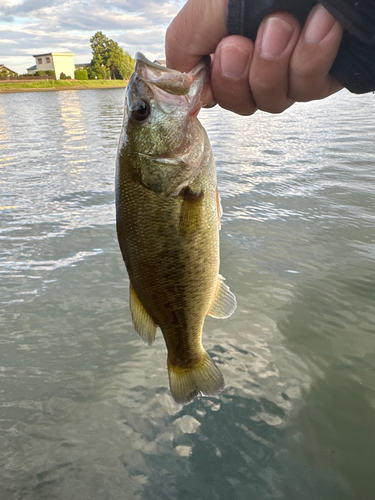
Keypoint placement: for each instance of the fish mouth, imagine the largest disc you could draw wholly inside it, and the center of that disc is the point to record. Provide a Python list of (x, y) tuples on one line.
[(141, 57), (167, 79)]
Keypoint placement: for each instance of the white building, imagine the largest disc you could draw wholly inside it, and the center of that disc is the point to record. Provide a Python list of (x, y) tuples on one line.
[(59, 62)]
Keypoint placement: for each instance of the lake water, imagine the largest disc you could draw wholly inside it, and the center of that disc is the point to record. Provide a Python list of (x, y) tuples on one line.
[(85, 409)]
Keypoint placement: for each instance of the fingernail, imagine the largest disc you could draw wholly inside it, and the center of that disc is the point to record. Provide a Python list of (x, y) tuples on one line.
[(210, 105), (275, 38), (318, 25), (233, 61)]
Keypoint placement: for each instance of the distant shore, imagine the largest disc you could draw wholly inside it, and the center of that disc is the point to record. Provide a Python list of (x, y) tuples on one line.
[(52, 85)]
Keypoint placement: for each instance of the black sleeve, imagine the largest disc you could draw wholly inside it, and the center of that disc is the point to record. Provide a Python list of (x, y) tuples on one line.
[(354, 66)]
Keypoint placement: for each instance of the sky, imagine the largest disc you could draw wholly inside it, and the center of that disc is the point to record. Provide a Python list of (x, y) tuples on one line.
[(29, 27)]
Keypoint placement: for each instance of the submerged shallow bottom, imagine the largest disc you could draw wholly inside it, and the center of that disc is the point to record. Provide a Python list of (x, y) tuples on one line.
[(85, 409)]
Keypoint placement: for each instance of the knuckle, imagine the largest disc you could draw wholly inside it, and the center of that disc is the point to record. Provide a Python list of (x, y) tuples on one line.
[(308, 90), (274, 107), (234, 98), (307, 82)]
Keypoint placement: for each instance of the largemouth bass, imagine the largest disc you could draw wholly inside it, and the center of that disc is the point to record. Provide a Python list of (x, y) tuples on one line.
[(168, 220)]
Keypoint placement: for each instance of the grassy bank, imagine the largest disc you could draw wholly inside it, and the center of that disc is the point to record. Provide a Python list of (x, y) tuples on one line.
[(59, 85)]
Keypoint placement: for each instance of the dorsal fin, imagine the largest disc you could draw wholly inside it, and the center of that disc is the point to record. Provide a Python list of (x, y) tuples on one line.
[(142, 321), (225, 302)]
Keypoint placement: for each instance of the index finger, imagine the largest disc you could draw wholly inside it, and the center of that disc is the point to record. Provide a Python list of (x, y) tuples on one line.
[(194, 32)]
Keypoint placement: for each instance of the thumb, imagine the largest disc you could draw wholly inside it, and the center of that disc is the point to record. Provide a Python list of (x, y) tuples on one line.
[(194, 32)]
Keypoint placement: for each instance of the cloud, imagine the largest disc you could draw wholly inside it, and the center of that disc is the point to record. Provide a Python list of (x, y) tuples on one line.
[(27, 6), (86, 14), (6, 19), (29, 27)]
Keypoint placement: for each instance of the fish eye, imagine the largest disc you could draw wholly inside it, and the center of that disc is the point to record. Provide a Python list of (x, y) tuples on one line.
[(140, 110)]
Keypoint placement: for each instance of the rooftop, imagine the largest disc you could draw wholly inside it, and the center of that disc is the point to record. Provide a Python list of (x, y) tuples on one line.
[(55, 54)]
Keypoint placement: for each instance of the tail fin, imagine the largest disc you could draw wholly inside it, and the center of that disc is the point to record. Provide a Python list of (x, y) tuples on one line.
[(203, 378)]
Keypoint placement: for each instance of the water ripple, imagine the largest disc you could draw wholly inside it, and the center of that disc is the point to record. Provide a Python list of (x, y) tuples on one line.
[(85, 408)]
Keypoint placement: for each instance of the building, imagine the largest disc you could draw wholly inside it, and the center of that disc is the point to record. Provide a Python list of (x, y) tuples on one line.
[(4, 71), (83, 65), (31, 70), (59, 62)]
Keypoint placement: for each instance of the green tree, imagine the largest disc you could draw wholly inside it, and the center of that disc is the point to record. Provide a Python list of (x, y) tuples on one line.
[(99, 46), (80, 74), (97, 71), (109, 59), (98, 66)]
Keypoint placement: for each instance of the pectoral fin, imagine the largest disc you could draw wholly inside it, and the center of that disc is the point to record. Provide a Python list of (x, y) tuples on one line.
[(225, 302), (142, 321)]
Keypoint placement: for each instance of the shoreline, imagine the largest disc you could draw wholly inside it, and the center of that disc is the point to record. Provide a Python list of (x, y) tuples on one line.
[(20, 88), (55, 89)]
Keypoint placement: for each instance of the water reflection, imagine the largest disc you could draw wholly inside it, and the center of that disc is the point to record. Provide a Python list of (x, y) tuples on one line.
[(74, 136), (5, 159)]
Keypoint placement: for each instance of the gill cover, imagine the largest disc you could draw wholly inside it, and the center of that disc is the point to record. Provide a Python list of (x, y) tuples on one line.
[(166, 138)]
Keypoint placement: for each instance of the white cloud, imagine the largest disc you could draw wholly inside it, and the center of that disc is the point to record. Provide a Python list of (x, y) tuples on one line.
[(29, 27)]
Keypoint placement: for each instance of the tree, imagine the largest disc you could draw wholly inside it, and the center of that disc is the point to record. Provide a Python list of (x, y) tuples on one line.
[(97, 70), (109, 59), (80, 74), (99, 46)]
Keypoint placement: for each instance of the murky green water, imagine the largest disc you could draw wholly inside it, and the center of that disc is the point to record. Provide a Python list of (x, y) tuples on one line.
[(85, 409)]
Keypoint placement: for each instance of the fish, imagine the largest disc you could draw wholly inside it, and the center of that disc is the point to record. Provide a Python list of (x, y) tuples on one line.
[(168, 219), (354, 66)]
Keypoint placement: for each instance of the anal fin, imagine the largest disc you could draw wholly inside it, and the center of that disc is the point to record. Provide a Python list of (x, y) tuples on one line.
[(142, 321), (225, 302)]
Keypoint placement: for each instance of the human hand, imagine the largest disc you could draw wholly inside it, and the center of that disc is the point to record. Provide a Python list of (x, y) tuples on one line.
[(285, 64)]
